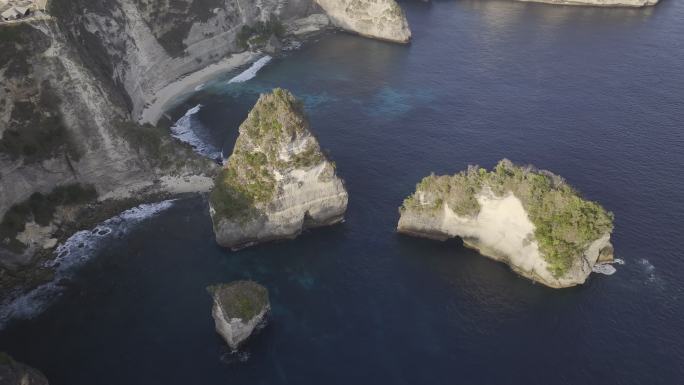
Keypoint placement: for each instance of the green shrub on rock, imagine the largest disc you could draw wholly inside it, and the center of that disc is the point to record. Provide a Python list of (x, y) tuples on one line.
[(565, 224)]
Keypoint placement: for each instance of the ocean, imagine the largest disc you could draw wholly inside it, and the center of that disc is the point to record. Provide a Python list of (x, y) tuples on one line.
[(595, 95)]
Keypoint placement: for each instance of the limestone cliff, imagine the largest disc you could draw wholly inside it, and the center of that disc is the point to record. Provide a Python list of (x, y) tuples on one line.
[(380, 19), (239, 309), (277, 182), (66, 141), (528, 218)]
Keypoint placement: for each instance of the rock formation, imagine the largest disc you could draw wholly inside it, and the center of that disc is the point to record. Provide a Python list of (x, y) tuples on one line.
[(239, 308), (15, 373), (380, 19), (528, 218), (277, 182)]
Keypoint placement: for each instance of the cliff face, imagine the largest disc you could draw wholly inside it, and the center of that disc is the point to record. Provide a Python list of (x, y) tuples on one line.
[(277, 182), (64, 125), (530, 219), (380, 19), (146, 44)]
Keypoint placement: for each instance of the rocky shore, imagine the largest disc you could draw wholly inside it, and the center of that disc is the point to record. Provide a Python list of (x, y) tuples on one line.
[(530, 219), (277, 182)]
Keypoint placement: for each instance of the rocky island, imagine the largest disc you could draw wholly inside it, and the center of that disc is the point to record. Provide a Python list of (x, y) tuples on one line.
[(528, 218), (239, 308), (277, 182)]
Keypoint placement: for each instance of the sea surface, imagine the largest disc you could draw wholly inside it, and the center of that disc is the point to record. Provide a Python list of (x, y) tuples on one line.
[(595, 95)]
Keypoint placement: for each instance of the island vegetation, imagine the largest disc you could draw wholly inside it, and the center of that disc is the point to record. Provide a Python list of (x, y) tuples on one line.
[(565, 223)]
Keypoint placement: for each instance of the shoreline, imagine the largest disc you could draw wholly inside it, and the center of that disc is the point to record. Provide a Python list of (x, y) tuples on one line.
[(162, 99)]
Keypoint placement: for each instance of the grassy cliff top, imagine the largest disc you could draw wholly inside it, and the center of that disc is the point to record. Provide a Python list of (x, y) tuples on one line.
[(565, 223), (248, 179), (240, 299)]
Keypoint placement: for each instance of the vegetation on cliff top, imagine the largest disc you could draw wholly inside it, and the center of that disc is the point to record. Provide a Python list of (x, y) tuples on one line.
[(248, 182), (259, 33), (565, 224), (240, 299)]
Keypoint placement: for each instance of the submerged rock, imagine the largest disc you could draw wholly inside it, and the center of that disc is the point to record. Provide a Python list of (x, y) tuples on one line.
[(530, 219), (379, 19), (15, 373), (277, 182), (239, 308)]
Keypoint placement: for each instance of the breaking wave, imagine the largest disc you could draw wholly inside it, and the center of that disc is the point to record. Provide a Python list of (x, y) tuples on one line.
[(252, 71), (74, 252), (189, 129)]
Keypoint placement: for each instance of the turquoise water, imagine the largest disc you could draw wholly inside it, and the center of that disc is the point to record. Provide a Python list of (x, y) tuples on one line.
[(595, 95)]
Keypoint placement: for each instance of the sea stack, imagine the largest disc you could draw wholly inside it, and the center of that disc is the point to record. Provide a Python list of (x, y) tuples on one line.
[(239, 308), (528, 218), (277, 182), (378, 19), (16, 373)]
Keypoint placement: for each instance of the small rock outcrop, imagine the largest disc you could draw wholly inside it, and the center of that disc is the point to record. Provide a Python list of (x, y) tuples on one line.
[(239, 308), (15, 373), (379, 19), (528, 218), (277, 182)]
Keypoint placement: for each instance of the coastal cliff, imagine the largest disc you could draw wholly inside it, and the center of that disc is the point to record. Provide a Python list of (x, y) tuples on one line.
[(83, 90), (530, 219), (277, 182), (380, 19)]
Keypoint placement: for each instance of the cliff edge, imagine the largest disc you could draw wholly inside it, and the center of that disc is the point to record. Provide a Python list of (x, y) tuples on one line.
[(379, 19), (277, 182), (528, 218)]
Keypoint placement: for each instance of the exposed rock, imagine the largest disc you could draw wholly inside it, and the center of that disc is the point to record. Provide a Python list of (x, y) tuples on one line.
[(239, 308), (600, 3), (528, 218), (380, 19), (277, 182), (15, 373)]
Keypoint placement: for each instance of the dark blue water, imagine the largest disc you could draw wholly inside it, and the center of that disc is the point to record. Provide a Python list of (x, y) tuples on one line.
[(596, 95)]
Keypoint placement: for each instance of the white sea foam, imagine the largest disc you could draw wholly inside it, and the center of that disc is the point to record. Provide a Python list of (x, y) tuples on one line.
[(199, 87), (649, 269), (252, 71), (73, 253), (604, 268), (189, 129)]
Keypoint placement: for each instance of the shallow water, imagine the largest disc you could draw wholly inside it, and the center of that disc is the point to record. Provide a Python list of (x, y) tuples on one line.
[(595, 95)]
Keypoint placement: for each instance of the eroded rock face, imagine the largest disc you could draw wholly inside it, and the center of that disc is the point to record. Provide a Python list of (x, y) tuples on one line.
[(15, 373), (239, 309), (380, 19), (277, 182), (528, 218)]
